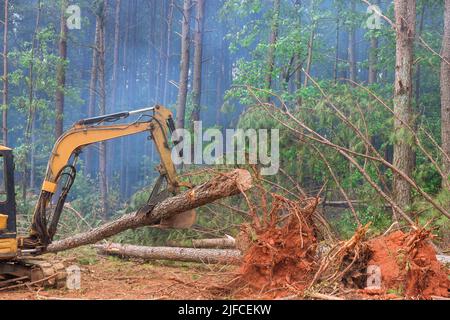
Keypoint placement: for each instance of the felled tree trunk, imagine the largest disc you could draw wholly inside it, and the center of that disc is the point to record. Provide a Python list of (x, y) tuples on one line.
[(221, 186), (219, 256), (220, 243)]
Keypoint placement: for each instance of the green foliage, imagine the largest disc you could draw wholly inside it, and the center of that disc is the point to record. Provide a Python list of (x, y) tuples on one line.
[(346, 225), (371, 118), (248, 26)]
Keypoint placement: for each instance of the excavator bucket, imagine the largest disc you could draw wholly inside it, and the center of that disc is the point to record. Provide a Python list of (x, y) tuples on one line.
[(183, 220)]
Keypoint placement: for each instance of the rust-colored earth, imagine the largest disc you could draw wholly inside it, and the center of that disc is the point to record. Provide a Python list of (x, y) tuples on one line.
[(281, 258), (408, 268), (280, 264), (111, 278)]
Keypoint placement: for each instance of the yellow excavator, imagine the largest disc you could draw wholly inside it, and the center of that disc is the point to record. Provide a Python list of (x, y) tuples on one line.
[(18, 254)]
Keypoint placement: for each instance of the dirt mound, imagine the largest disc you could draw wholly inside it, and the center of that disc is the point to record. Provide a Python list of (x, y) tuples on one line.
[(282, 250), (408, 265)]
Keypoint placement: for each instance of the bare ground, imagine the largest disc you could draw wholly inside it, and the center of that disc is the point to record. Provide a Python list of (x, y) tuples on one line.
[(112, 278), (105, 278)]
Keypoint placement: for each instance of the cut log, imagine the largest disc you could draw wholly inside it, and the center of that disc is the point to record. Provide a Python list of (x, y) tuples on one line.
[(220, 243), (210, 256), (221, 186)]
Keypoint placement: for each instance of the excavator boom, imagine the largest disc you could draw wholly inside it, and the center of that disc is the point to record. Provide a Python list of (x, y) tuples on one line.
[(85, 132)]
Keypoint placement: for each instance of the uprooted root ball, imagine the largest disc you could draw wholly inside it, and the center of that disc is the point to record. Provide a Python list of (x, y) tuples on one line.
[(281, 259), (409, 266), (282, 251), (345, 263)]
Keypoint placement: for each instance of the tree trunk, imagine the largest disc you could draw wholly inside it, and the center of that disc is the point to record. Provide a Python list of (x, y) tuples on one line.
[(221, 79), (298, 60), (272, 44), (116, 57), (373, 58), (405, 17), (310, 46), (29, 131), (419, 67), (336, 54), (209, 256), (184, 65), (133, 162), (102, 94), (168, 51), (352, 47), (221, 186), (445, 94), (112, 148), (124, 97), (33, 150), (219, 95), (159, 66), (310, 55), (61, 73), (198, 56), (5, 76), (93, 93)]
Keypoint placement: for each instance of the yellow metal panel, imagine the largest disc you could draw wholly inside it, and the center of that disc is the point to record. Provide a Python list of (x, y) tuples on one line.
[(8, 247), (3, 221), (160, 135), (80, 136), (49, 186)]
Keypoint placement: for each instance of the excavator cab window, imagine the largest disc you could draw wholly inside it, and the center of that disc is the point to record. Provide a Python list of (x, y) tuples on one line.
[(7, 193), (3, 194)]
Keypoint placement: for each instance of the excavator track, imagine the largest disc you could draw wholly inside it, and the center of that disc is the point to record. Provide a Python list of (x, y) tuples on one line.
[(23, 272)]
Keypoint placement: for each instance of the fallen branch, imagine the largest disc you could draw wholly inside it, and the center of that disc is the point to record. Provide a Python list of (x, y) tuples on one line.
[(217, 256), (221, 186)]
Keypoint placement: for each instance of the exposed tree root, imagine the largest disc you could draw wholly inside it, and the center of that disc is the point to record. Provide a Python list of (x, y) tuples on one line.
[(409, 265), (281, 252), (346, 262), (281, 260)]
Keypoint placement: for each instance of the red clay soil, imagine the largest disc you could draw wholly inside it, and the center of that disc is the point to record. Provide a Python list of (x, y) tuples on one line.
[(281, 255), (280, 258), (409, 266), (111, 278)]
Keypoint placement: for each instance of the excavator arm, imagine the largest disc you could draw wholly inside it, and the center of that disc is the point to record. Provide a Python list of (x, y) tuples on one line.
[(85, 132)]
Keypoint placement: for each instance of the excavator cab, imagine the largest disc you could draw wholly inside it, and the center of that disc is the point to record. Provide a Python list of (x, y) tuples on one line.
[(8, 241)]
